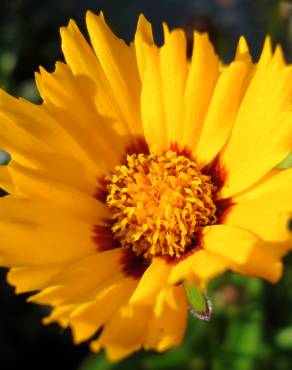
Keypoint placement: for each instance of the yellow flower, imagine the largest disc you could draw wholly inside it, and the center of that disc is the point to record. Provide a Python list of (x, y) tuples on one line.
[(139, 171)]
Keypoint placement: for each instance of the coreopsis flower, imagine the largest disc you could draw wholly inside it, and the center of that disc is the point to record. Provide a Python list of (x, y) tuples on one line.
[(143, 173)]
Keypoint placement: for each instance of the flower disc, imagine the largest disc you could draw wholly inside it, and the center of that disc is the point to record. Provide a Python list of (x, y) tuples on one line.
[(159, 203)]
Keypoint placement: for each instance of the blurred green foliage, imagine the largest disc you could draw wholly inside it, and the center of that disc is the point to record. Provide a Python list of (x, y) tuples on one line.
[(252, 323)]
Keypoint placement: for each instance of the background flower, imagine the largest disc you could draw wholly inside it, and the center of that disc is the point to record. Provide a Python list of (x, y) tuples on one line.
[(234, 292)]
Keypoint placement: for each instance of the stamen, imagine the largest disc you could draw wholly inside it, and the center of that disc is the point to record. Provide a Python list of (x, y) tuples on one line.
[(159, 203)]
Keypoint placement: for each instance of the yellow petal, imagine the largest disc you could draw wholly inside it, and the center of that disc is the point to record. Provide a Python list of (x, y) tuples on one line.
[(92, 88), (199, 267), (37, 231), (124, 333), (152, 281), (51, 211), (222, 112), (173, 66), (82, 280), (152, 109), (87, 318), (267, 52), (35, 122), (262, 133), (266, 209), (244, 251), (202, 77), (84, 64), (36, 238), (6, 182), (78, 54), (35, 140), (166, 328), (118, 62), (31, 278), (143, 37), (61, 315), (61, 90), (36, 185), (242, 52)]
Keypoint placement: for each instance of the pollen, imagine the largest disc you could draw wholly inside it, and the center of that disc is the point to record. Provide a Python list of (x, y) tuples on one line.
[(159, 203)]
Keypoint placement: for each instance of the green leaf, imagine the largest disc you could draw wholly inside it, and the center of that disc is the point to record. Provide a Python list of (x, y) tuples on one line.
[(95, 362), (287, 163), (199, 303), (284, 338), (4, 157)]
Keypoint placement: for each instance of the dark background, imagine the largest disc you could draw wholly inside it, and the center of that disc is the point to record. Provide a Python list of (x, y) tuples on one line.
[(252, 324), (29, 34)]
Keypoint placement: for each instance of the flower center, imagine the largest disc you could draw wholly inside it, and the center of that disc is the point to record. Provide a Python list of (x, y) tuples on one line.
[(159, 203)]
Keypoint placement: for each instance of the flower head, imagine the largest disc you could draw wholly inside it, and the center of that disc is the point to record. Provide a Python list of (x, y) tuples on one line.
[(142, 171)]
